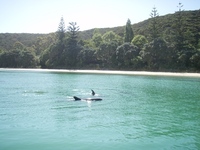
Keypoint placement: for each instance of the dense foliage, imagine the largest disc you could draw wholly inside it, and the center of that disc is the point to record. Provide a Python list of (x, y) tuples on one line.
[(161, 43)]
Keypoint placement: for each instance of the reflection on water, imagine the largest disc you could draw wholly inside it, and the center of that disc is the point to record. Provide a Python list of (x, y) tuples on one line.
[(37, 110)]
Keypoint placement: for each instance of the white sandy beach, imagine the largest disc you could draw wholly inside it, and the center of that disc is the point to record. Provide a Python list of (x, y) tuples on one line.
[(138, 73)]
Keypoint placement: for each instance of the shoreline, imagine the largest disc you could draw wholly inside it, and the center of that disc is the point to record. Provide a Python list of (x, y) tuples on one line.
[(111, 72)]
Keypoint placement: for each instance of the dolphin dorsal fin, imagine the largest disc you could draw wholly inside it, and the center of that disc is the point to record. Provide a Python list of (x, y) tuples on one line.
[(93, 93)]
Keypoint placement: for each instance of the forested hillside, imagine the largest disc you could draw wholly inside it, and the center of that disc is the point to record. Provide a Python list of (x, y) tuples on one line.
[(161, 43)]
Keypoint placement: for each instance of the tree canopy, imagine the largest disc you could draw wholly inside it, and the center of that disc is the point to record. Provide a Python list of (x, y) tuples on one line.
[(128, 35), (153, 26), (161, 43)]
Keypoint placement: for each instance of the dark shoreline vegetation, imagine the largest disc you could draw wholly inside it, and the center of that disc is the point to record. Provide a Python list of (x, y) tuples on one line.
[(169, 43)]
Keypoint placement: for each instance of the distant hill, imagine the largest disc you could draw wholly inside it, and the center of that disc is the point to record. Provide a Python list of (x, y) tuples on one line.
[(192, 21), (7, 40)]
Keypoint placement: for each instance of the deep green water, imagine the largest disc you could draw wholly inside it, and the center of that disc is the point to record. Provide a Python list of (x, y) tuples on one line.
[(137, 112)]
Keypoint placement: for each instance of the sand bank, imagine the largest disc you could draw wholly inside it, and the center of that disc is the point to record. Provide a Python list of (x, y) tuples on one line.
[(138, 73)]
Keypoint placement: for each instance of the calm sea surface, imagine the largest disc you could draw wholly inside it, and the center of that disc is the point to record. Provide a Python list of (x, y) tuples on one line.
[(37, 111)]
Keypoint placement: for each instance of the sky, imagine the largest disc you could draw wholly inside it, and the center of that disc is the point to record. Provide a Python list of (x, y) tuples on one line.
[(43, 16)]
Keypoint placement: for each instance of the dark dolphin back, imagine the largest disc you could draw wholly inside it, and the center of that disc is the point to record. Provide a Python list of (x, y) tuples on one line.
[(76, 98)]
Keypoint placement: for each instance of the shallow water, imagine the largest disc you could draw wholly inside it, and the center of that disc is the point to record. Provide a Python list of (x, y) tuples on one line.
[(37, 111)]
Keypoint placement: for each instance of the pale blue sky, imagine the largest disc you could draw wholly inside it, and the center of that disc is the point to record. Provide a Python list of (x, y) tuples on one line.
[(43, 16)]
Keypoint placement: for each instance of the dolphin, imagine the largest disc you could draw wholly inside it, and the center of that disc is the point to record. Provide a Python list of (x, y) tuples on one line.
[(76, 98), (87, 99)]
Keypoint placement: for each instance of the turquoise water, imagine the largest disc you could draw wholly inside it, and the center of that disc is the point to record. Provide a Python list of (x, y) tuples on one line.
[(37, 111)]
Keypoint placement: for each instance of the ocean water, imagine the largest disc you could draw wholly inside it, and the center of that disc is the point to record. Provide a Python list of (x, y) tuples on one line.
[(37, 111)]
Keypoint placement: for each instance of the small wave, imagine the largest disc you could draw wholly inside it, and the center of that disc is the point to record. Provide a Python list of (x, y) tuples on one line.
[(38, 92)]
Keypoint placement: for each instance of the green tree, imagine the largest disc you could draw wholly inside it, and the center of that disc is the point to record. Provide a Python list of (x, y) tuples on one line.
[(87, 44), (72, 48), (111, 36), (28, 59), (18, 45), (106, 53), (158, 55), (128, 35), (179, 29), (183, 38), (197, 28), (97, 39), (61, 30), (1, 51), (53, 57), (139, 41), (191, 28), (18, 59), (195, 60), (87, 58), (43, 42), (125, 54), (44, 57), (10, 59), (198, 45), (106, 50), (153, 24), (73, 30)]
